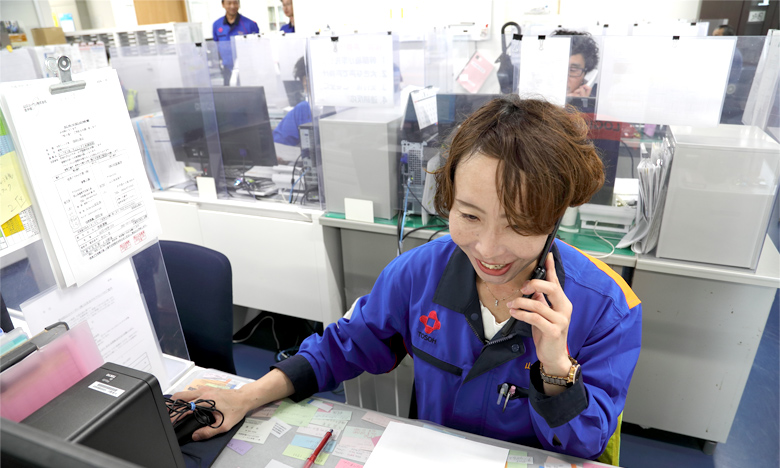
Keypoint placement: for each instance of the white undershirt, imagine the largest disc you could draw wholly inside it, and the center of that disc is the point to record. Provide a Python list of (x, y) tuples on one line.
[(489, 323)]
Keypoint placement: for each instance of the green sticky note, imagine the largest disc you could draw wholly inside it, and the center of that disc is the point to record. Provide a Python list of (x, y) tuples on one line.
[(513, 456), (303, 453), (295, 414)]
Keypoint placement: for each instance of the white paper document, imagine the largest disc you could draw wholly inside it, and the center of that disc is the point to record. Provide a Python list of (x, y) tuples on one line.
[(86, 172), (687, 88), (407, 445), (256, 67), (544, 68), (113, 307), (354, 71), (17, 65)]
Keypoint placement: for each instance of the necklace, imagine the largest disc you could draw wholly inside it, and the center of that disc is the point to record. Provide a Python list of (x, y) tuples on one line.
[(494, 296)]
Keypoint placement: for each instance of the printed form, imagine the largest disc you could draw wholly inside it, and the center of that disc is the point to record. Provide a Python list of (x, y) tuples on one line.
[(86, 172), (114, 309)]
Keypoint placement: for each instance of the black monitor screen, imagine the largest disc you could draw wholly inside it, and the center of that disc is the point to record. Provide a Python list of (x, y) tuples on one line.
[(181, 108), (245, 135)]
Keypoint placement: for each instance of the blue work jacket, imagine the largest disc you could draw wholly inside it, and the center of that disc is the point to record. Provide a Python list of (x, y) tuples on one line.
[(222, 32), (425, 303)]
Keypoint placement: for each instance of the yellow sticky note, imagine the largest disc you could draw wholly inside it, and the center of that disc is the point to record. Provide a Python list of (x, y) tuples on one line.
[(12, 226), (13, 194), (303, 453)]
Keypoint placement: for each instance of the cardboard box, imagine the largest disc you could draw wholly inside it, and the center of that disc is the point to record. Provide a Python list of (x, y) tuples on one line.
[(48, 36)]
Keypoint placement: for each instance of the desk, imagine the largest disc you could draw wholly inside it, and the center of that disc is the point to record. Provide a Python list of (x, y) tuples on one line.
[(701, 327), (261, 455)]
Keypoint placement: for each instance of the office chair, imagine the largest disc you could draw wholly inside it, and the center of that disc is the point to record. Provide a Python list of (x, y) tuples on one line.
[(202, 285)]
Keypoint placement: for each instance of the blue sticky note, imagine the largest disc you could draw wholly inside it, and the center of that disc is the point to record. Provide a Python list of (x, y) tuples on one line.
[(311, 443)]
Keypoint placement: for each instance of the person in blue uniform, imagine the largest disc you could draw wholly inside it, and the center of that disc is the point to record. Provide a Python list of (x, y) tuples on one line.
[(287, 8), (232, 24), (510, 172), (286, 132)]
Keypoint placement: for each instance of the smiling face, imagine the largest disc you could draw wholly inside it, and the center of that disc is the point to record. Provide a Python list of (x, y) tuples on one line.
[(479, 226), (231, 7)]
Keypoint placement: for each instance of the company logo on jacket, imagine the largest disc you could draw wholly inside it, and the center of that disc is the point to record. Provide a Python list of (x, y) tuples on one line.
[(431, 322)]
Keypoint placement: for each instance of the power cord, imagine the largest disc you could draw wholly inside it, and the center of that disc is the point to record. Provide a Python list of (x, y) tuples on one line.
[(595, 225), (273, 331), (177, 409)]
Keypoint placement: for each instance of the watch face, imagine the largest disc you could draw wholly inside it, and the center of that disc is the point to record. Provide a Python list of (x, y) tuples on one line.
[(577, 372)]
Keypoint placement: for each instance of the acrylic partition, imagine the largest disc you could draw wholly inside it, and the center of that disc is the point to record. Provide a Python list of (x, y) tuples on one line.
[(273, 72), (174, 111), (128, 303)]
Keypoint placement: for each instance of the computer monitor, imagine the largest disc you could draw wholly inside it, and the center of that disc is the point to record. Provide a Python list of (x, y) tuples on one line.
[(294, 90), (606, 137), (243, 124), (453, 109)]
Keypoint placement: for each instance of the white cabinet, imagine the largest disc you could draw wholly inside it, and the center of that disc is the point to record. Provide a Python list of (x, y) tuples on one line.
[(282, 260)]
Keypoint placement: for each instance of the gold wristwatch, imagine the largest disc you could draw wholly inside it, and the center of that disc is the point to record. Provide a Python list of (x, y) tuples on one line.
[(565, 381)]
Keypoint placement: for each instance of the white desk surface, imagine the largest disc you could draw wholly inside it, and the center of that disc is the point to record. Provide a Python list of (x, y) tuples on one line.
[(243, 205)]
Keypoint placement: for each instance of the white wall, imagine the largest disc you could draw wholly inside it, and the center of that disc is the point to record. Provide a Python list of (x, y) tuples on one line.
[(101, 14), (60, 7), (24, 12)]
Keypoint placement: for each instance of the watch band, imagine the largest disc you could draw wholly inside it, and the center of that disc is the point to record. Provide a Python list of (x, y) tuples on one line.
[(563, 381)]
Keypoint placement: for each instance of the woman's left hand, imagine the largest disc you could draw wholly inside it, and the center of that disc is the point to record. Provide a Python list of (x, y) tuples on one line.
[(550, 325)]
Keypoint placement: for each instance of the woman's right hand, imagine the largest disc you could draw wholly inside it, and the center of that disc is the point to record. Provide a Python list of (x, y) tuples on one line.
[(235, 404), (231, 403)]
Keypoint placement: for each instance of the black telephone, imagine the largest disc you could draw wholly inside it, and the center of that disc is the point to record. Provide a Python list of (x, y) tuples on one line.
[(540, 272)]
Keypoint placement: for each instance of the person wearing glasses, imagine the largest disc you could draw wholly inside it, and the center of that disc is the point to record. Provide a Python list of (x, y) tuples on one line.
[(583, 62)]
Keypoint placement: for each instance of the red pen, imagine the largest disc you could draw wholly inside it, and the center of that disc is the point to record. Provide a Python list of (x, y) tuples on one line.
[(310, 460)]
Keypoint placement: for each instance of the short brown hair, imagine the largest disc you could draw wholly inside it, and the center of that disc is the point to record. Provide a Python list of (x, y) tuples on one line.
[(546, 161)]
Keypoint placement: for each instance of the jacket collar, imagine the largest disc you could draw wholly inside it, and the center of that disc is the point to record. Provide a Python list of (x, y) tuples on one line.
[(457, 290)]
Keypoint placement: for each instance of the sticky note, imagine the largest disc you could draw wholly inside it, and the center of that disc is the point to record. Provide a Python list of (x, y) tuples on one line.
[(321, 405), (12, 226), (359, 210), (357, 442), (318, 431), (336, 425), (310, 442), (276, 464), (351, 453), (348, 464), (518, 459), (334, 415), (362, 432), (279, 428), (207, 189), (294, 414), (13, 194), (303, 453), (254, 430), (239, 446)]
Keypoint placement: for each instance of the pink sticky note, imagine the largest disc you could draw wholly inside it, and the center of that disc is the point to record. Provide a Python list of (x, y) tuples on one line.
[(375, 440), (348, 464), (239, 446)]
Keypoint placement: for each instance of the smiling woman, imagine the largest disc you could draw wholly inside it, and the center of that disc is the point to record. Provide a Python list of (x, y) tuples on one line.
[(512, 169)]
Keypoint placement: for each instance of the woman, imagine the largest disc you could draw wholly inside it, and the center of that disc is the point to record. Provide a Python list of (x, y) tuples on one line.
[(512, 169)]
